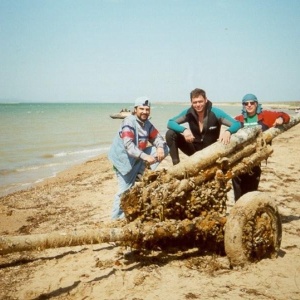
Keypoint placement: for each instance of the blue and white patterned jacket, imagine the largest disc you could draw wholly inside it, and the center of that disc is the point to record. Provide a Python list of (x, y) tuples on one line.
[(131, 140)]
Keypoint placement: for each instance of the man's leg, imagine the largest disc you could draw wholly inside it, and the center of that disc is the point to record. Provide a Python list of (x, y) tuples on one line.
[(177, 141), (247, 182), (125, 182), (237, 189), (252, 180)]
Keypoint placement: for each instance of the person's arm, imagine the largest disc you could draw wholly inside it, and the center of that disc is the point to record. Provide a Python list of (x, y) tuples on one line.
[(158, 141), (232, 124), (272, 118), (225, 119), (128, 136), (174, 123), (240, 118), (281, 118)]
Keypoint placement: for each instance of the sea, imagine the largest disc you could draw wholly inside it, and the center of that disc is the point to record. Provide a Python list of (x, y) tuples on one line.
[(38, 140)]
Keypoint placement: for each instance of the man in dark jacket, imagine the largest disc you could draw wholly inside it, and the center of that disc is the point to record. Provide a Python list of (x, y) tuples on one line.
[(204, 122), (253, 115)]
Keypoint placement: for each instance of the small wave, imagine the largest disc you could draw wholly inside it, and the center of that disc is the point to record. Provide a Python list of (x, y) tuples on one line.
[(36, 167), (42, 179), (6, 172), (61, 154)]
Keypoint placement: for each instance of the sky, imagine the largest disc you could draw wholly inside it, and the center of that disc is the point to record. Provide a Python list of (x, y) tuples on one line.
[(118, 50)]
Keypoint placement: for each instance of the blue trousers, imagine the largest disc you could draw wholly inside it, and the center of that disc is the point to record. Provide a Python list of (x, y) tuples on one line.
[(125, 182)]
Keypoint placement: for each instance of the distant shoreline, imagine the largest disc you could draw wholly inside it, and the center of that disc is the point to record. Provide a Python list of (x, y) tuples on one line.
[(274, 105), (279, 104)]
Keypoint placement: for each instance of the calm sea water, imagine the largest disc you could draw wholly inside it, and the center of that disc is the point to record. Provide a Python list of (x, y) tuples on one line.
[(39, 140)]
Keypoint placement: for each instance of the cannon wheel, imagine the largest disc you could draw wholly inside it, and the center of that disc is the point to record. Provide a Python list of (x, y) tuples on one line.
[(253, 229)]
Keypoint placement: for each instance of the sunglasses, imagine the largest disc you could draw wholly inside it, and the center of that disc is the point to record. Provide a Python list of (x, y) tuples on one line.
[(249, 103)]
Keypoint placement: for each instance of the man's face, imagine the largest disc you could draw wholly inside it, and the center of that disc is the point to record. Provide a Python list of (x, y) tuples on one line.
[(198, 103), (142, 112), (250, 107)]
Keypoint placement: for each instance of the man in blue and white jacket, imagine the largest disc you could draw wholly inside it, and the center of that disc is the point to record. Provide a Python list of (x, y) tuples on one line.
[(130, 151), (204, 127)]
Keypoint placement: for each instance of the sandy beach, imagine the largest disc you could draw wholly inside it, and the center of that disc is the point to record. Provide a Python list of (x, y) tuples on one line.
[(81, 198)]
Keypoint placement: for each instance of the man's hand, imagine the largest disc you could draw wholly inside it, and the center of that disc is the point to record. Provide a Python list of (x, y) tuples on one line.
[(188, 136), (160, 154), (150, 159), (278, 121), (225, 137)]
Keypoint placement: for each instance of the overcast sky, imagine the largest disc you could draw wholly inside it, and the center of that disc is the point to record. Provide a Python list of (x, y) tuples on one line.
[(117, 50)]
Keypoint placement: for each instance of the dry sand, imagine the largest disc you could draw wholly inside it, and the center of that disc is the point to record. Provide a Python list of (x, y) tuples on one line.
[(82, 198)]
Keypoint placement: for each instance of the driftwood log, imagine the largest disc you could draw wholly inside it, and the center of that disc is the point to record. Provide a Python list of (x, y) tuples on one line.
[(184, 205)]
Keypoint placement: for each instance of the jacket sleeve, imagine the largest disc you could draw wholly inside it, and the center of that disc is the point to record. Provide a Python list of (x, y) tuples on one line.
[(174, 123), (225, 119), (155, 138), (269, 117), (129, 137), (284, 116)]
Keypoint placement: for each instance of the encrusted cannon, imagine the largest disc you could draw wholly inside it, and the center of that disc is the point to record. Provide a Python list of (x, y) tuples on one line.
[(185, 206)]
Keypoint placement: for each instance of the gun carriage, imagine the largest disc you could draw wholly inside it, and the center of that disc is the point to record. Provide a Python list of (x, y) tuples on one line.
[(186, 206)]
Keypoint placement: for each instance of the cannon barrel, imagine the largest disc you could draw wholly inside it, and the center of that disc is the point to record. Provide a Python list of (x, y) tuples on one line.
[(134, 234)]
